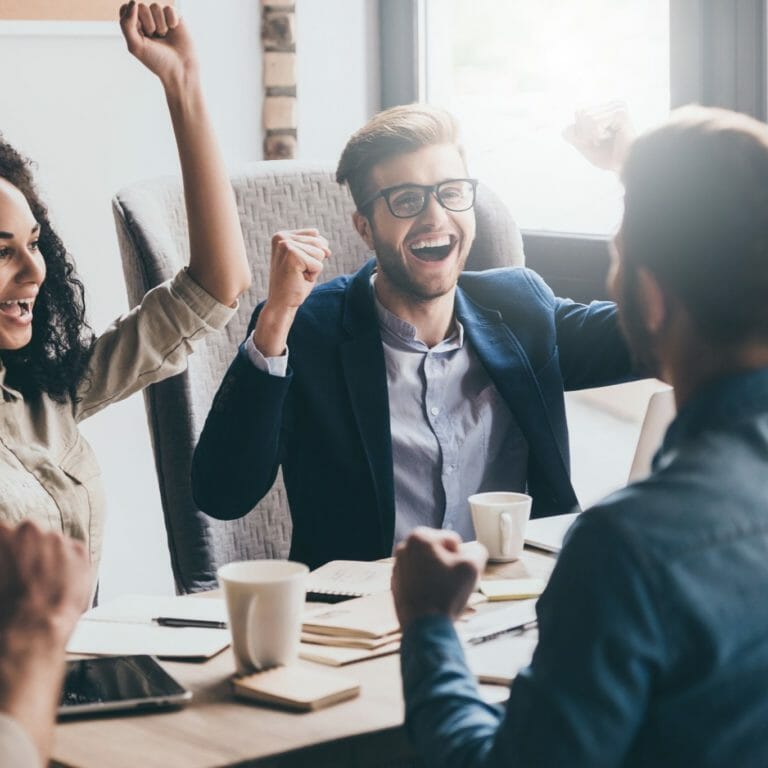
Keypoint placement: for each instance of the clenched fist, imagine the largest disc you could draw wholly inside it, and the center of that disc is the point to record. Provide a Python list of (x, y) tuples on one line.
[(297, 261), (434, 574)]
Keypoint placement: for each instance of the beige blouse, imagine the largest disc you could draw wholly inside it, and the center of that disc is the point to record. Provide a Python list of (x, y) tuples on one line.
[(48, 472), (16, 747)]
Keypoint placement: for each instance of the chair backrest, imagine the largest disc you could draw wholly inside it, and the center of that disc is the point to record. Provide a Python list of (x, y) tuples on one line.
[(271, 195)]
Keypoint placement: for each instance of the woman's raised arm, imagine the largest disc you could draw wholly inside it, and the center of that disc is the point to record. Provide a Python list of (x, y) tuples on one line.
[(158, 38)]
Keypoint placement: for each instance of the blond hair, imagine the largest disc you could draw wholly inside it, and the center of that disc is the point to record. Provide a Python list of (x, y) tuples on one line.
[(394, 131)]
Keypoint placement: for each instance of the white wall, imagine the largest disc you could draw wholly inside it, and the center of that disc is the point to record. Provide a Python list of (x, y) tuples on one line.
[(94, 121), (338, 65)]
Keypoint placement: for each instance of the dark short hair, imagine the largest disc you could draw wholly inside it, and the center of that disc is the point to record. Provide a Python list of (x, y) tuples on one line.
[(394, 131), (696, 216)]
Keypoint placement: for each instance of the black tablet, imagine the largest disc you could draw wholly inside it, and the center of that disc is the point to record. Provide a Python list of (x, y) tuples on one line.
[(115, 683)]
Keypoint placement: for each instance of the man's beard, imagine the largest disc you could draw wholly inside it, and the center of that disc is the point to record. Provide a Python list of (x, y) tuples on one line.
[(639, 340), (391, 265)]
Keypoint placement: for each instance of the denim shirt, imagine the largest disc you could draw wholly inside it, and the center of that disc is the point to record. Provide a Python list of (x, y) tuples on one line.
[(653, 630)]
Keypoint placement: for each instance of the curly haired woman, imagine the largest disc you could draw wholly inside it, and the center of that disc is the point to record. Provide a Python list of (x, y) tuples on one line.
[(53, 371)]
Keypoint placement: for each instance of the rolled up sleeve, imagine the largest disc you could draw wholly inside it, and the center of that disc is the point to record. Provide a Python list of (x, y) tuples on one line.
[(150, 342)]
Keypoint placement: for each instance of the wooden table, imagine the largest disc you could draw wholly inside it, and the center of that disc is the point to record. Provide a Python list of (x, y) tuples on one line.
[(216, 730)]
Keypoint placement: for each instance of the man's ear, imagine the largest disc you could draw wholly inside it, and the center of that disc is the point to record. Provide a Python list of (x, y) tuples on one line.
[(363, 227), (654, 306)]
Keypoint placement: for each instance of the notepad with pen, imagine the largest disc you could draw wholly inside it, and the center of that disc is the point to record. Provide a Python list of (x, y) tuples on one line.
[(341, 580), (192, 627)]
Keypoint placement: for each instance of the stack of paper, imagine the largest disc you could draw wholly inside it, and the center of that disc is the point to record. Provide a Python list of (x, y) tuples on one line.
[(355, 630), (126, 626), (488, 624), (499, 642), (498, 661)]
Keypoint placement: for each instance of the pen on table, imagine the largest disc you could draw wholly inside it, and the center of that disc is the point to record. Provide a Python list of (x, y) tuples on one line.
[(170, 621)]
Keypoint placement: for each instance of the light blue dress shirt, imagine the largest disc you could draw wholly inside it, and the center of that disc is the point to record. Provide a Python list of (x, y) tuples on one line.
[(452, 434)]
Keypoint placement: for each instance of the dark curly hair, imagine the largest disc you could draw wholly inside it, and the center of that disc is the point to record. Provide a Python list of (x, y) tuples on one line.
[(55, 361)]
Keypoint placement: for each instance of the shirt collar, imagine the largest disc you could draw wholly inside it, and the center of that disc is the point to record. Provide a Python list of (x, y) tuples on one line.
[(721, 403), (7, 392), (395, 329)]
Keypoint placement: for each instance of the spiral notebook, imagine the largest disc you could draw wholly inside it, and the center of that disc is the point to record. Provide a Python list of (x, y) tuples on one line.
[(344, 579)]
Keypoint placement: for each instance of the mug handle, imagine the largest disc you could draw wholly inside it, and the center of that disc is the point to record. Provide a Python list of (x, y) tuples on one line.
[(249, 629), (506, 530)]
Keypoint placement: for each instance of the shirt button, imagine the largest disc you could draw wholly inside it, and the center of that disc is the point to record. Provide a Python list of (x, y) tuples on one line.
[(434, 410), (448, 526), (449, 469)]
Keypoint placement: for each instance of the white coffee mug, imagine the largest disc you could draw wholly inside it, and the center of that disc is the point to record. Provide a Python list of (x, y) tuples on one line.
[(500, 518), (265, 602)]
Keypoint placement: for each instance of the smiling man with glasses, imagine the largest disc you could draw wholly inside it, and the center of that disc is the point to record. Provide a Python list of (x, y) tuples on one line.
[(408, 386)]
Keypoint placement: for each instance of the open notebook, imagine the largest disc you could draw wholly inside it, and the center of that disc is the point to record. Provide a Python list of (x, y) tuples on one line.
[(343, 579), (125, 626), (547, 533)]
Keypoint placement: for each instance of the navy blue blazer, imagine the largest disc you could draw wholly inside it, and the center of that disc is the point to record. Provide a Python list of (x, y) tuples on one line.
[(327, 421)]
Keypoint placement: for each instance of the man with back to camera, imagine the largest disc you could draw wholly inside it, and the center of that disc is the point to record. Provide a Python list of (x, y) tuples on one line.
[(402, 394), (653, 629)]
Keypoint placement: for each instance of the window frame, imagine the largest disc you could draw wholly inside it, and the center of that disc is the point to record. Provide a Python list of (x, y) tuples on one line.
[(717, 58)]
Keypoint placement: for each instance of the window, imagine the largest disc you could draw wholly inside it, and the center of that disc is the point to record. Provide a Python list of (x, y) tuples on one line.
[(515, 72)]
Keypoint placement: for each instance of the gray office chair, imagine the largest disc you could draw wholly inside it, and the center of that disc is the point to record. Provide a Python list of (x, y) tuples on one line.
[(272, 195)]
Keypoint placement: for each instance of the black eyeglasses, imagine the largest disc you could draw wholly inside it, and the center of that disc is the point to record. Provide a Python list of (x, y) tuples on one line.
[(408, 200)]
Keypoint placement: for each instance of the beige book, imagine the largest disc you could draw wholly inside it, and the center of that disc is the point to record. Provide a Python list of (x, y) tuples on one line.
[(336, 656), (349, 642), (372, 616), (296, 687)]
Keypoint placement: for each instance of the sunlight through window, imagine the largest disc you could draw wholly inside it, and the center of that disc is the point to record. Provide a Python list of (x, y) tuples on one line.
[(515, 72)]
